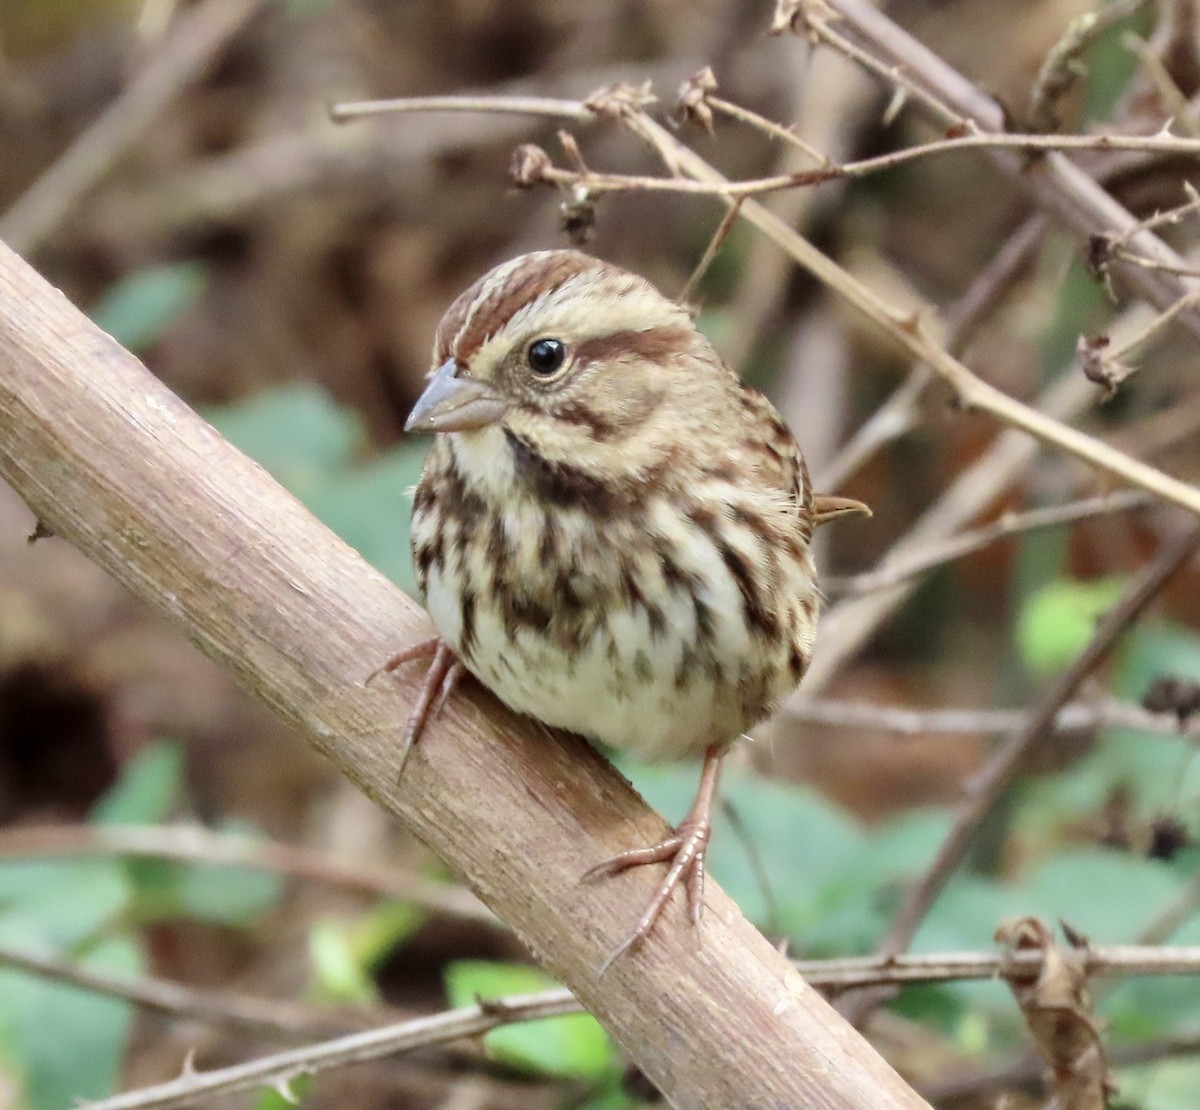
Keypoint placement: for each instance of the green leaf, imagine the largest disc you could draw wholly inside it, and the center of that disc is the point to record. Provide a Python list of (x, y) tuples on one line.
[(237, 896), (147, 789), (1057, 622), (68, 1044), (1080, 886), (370, 508), (340, 973), (571, 1047), (1111, 66), (138, 309), (310, 444), (299, 1087), (1155, 650), (382, 928), (67, 901), (297, 432), (1161, 1085)]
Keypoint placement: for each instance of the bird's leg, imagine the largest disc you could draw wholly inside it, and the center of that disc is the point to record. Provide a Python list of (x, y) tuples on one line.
[(444, 672), (684, 848)]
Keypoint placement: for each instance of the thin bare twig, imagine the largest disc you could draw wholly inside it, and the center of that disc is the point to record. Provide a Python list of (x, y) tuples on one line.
[(162, 995), (196, 844), (987, 787), (1061, 188), (900, 412), (545, 107), (831, 975), (946, 967), (280, 1069), (710, 252), (908, 721), (598, 183), (196, 38), (1106, 365), (966, 543)]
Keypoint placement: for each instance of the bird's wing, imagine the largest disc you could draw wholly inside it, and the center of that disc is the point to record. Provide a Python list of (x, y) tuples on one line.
[(776, 454)]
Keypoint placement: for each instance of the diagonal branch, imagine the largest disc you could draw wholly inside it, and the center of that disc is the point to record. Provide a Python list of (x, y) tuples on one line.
[(114, 463)]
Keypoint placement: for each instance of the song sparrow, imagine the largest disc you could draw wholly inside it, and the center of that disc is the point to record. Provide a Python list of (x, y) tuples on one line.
[(611, 532)]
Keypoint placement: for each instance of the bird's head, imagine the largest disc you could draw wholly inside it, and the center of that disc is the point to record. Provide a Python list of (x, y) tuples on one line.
[(571, 360)]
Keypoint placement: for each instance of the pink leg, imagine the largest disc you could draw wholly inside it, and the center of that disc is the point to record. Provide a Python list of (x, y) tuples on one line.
[(444, 672), (685, 850)]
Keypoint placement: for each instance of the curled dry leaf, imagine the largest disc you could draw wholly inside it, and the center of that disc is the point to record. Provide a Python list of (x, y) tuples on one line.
[(790, 13), (693, 98), (1106, 372), (529, 165), (1173, 695), (1057, 1007), (620, 100)]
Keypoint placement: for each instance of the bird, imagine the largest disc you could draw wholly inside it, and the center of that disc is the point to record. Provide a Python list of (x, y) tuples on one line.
[(611, 532)]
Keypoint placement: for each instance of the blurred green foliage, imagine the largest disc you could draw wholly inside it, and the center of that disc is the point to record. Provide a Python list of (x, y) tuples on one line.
[(571, 1047), (1056, 622), (316, 450), (61, 1043), (138, 309)]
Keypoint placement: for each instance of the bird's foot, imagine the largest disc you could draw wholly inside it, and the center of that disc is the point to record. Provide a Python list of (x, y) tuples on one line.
[(440, 679), (684, 849)]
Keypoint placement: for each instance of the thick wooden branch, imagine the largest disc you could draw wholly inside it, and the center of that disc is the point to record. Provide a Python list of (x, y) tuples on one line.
[(117, 465)]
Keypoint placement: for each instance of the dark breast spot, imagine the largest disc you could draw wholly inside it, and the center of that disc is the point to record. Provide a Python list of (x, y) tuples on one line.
[(563, 485), (467, 640), (797, 663), (756, 608)]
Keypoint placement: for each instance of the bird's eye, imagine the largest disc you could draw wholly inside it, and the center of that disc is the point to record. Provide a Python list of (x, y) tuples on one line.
[(546, 356)]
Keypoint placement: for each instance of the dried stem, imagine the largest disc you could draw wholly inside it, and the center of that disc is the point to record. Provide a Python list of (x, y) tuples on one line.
[(196, 38), (544, 107), (908, 721), (279, 1070), (987, 787), (598, 183), (710, 252), (900, 412), (196, 844), (967, 543), (1062, 189)]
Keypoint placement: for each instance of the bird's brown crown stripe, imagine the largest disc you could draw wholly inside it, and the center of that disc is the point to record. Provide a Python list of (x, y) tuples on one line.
[(466, 325)]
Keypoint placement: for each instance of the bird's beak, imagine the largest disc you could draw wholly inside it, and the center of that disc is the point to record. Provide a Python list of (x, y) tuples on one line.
[(454, 403)]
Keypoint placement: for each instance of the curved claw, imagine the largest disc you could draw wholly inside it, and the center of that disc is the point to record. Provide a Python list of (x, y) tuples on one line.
[(684, 849), (440, 679), (423, 649)]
